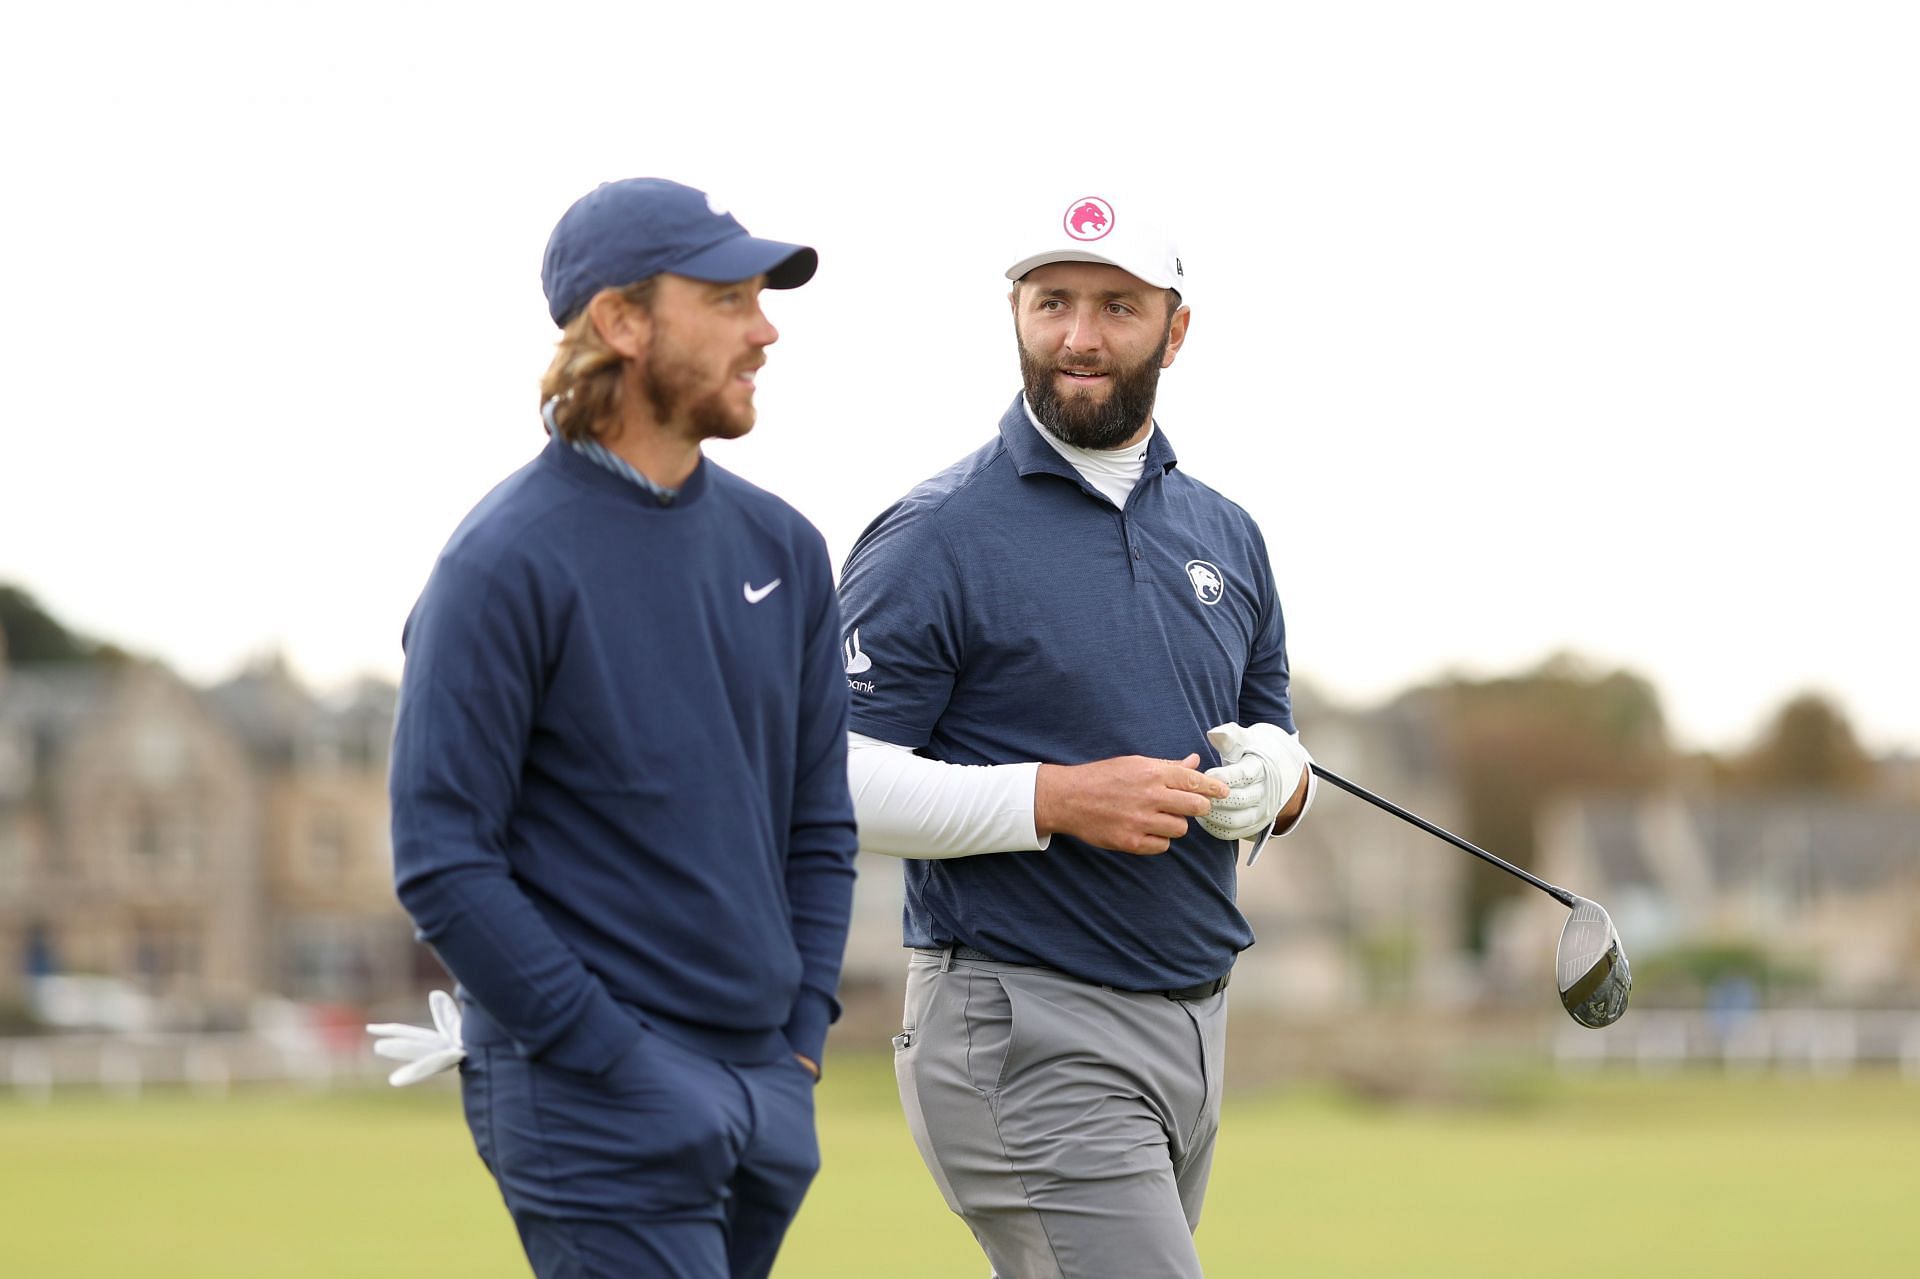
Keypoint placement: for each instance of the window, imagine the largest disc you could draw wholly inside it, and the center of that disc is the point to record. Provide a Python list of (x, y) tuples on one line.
[(324, 959), (161, 954), (13, 855), (16, 771), (145, 839), (327, 851), (164, 836)]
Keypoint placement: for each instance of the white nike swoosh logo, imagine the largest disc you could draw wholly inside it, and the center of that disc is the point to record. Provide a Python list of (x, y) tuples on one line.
[(754, 593)]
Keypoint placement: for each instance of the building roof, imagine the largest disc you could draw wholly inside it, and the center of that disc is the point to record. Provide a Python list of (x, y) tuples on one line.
[(43, 705), (1806, 846)]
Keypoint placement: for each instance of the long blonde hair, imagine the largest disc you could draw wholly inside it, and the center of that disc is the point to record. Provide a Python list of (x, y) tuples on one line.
[(584, 378)]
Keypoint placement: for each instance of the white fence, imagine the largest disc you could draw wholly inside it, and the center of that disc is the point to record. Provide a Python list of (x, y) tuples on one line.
[(1814, 1040), (210, 1065)]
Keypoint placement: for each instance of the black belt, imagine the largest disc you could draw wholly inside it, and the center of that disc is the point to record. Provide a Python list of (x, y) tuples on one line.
[(1204, 990)]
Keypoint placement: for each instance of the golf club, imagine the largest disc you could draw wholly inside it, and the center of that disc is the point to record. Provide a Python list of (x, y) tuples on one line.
[(1592, 965)]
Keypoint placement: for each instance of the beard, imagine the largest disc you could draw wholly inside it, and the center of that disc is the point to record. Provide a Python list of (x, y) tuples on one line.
[(1080, 419), (673, 378)]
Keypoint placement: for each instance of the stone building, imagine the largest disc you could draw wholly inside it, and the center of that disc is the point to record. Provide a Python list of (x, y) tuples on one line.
[(204, 849), (1823, 884), (130, 824), (334, 931)]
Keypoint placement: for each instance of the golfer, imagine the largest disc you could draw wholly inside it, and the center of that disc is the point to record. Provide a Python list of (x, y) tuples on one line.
[(1049, 641), (620, 803)]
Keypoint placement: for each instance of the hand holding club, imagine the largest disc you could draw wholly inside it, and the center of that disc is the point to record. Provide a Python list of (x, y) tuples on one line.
[(1129, 804)]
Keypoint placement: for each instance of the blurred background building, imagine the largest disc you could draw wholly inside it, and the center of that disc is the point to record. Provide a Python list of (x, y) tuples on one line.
[(204, 848), (177, 858)]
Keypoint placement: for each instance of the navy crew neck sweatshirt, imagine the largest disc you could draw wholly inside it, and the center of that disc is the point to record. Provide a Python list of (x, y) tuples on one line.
[(619, 768)]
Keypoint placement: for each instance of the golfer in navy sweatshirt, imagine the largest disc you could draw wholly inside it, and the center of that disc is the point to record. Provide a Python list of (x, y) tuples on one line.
[(620, 801)]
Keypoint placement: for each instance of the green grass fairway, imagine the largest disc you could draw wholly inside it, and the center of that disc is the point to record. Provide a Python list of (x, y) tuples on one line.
[(1694, 1175)]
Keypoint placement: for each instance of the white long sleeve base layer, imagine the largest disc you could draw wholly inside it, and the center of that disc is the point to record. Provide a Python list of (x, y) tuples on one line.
[(912, 806)]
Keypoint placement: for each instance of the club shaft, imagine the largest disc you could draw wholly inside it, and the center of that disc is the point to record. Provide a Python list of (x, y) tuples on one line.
[(1560, 895)]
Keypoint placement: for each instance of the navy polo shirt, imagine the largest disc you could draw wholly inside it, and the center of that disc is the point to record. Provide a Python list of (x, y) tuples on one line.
[(1004, 611)]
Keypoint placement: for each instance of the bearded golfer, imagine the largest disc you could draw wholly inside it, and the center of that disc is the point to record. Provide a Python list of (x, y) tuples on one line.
[(620, 802), (1048, 642)]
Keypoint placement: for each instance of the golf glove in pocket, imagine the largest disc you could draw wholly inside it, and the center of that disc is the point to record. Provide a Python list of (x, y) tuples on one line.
[(1261, 765), (427, 1050)]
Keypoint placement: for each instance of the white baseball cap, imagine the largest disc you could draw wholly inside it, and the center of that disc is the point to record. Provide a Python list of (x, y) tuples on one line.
[(1119, 232)]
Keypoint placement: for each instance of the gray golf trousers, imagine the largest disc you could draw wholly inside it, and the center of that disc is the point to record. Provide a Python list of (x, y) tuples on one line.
[(1070, 1125)]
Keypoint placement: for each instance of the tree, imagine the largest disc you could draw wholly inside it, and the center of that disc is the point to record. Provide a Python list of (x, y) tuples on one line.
[(28, 633), (1808, 745), (1515, 741)]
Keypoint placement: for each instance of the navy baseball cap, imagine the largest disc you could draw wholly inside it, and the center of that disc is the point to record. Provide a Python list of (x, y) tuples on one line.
[(621, 233)]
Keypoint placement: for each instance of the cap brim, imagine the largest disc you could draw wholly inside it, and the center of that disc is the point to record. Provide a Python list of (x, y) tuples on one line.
[(1024, 265), (786, 266)]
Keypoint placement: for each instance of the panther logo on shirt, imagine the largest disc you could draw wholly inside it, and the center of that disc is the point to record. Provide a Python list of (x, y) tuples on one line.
[(1207, 582)]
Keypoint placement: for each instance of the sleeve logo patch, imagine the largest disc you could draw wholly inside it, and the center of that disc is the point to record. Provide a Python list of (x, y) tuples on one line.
[(858, 663)]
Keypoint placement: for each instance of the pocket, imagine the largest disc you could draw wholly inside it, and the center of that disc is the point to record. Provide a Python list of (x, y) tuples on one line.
[(987, 1012), (1049, 1016), (654, 1132), (923, 982), (476, 1101)]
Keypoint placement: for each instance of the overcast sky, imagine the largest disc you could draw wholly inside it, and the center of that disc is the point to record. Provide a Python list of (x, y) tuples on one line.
[(1517, 326)]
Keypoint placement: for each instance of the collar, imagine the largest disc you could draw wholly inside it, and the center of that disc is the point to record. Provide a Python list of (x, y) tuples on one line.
[(1033, 455), (613, 464)]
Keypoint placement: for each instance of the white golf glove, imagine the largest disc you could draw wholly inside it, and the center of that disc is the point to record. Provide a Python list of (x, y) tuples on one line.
[(1262, 765), (426, 1050)]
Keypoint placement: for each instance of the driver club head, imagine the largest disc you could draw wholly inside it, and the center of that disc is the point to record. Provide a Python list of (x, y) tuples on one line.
[(1592, 967)]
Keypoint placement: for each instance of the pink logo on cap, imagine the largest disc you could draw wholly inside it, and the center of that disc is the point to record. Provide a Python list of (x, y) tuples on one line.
[(1089, 218)]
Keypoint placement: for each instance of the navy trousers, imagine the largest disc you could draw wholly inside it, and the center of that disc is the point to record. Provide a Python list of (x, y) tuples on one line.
[(670, 1164)]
